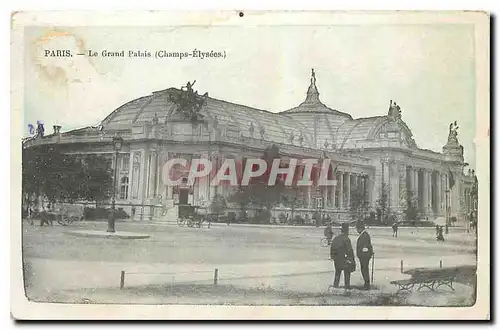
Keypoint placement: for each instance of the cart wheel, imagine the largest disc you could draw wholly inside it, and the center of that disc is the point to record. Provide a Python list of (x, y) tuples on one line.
[(189, 222), (324, 242), (181, 222)]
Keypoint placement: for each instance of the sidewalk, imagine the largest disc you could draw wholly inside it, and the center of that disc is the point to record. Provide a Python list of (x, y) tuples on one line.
[(56, 275)]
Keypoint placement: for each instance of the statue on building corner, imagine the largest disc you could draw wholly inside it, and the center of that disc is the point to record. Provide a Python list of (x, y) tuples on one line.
[(394, 111), (453, 133), (40, 131), (251, 129)]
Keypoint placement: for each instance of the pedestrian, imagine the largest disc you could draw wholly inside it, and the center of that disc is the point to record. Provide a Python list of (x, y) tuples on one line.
[(31, 216), (133, 213), (364, 251), (328, 232), (440, 236), (395, 229), (343, 257)]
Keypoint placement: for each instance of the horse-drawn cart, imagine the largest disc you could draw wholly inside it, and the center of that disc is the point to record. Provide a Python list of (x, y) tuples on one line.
[(189, 216)]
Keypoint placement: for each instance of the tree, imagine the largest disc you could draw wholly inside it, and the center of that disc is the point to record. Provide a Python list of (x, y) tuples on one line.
[(258, 192), (242, 197), (218, 205), (292, 198), (47, 173), (59, 177), (383, 203), (31, 177), (359, 203), (409, 203), (96, 179), (258, 195)]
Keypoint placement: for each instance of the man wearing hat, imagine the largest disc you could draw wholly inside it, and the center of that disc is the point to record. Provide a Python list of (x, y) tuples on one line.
[(364, 251), (343, 257)]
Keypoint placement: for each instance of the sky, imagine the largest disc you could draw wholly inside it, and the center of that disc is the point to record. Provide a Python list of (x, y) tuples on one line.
[(429, 70)]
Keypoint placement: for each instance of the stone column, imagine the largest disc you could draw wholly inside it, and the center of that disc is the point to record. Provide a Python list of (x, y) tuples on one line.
[(152, 174), (444, 183), (425, 196), (309, 197), (143, 180), (430, 192), (341, 190), (402, 185), (136, 172), (147, 171), (170, 189), (325, 196), (369, 189), (387, 182), (411, 178), (394, 192), (438, 192), (161, 188), (348, 188), (205, 183), (130, 174), (215, 167), (334, 193), (415, 181)]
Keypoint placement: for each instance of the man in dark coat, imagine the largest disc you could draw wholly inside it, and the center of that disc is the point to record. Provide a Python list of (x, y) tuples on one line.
[(364, 251), (343, 257), (395, 229), (440, 236)]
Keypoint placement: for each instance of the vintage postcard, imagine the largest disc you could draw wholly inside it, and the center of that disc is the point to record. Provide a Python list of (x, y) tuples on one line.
[(250, 165)]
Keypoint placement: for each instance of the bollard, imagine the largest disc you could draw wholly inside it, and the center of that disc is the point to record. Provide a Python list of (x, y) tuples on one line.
[(440, 263), (122, 280), (216, 276), (401, 266)]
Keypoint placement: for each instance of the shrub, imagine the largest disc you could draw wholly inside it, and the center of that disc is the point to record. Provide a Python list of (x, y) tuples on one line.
[(261, 217), (417, 223), (218, 205), (99, 213), (298, 220)]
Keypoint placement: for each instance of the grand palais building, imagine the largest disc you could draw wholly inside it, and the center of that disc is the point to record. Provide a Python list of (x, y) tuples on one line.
[(377, 152)]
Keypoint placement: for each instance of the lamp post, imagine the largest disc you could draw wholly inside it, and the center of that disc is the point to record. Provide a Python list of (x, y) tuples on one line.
[(117, 145)]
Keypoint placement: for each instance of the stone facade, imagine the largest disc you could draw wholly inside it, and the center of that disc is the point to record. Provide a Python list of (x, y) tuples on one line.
[(373, 153)]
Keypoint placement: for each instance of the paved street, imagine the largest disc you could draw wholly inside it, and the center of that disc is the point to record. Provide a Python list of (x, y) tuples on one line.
[(283, 258)]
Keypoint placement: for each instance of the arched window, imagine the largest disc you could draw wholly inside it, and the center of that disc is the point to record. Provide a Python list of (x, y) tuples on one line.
[(124, 188)]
